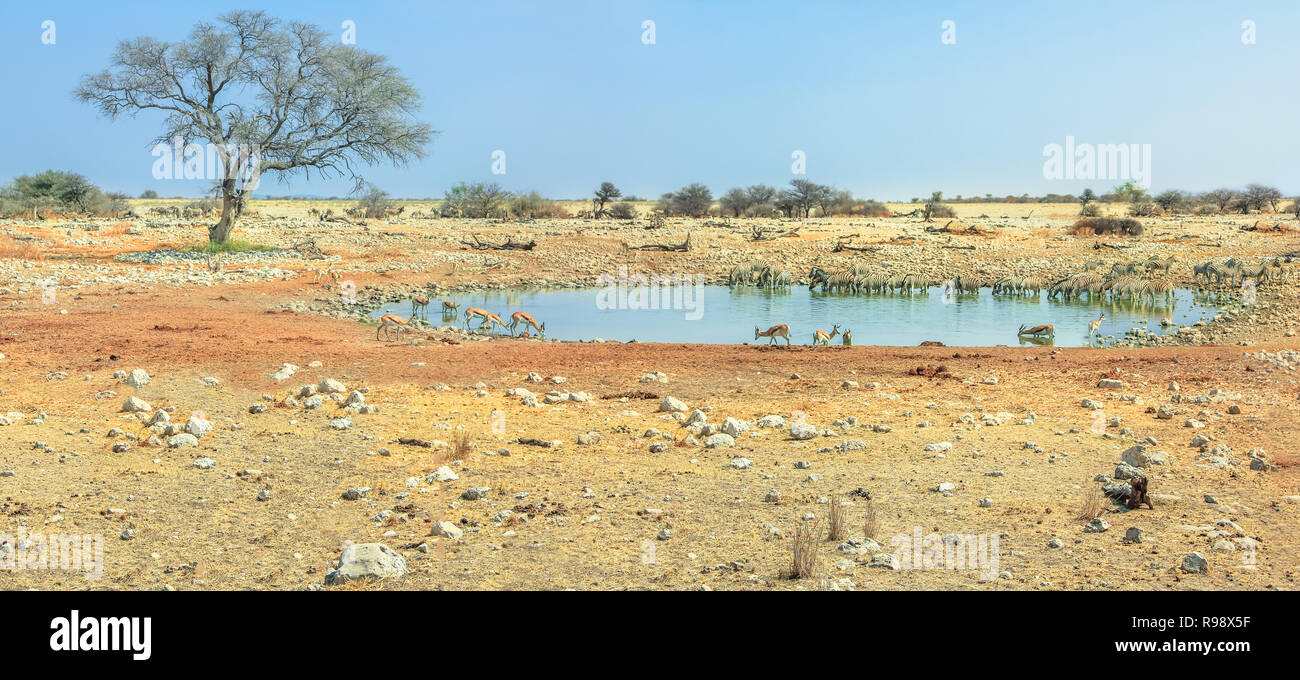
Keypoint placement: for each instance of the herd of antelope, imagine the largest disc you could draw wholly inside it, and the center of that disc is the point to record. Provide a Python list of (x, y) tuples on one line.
[(389, 323), (819, 337)]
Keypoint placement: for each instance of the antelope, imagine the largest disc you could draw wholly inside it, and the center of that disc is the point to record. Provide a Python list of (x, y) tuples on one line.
[(847, 337), (488, 317), (473, 312), (1042, 329), (493, 319), (449, 307), (778, 331), (527, 320), (824, 338), (419, 304), (388, 322), (1094, 325), (326, 273)]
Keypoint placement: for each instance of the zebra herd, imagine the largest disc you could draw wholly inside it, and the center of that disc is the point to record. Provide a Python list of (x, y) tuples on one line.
[(759, 274), (1235, 271), (1141, 280)]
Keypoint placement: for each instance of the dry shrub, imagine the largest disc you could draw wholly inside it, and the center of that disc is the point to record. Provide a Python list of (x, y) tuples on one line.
[(1092, 505), (836, 524), (869, 526), (11, 248), (115, 229), (803, 553), (462, 445)]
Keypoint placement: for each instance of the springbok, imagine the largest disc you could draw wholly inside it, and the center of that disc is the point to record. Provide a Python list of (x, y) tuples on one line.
[(327, 273), (1094, 325), (824, 338), (449, 307), (527, 320), (388, 322), (778, 331), (1042, 329), (847, 337), (488, 317), (420, 304)]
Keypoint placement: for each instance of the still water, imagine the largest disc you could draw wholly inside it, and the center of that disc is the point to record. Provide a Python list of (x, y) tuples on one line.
[(723, 315)]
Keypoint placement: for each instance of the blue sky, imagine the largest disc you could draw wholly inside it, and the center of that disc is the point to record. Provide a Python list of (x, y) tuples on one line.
[(867, 90)]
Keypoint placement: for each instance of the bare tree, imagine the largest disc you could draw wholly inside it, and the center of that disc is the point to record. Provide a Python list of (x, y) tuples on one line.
[(1221, 198), (270, 96), (1170, 200), (1258, 195), (735, 201), (803, 196)]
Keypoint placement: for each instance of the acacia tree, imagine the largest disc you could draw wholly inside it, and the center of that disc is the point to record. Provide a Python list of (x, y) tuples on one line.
[(269, 96), (604, 194), (1221, 198)]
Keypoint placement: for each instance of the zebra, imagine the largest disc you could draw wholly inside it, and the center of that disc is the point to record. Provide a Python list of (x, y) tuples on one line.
[(968, 284), (1154, 264), (770, 278)]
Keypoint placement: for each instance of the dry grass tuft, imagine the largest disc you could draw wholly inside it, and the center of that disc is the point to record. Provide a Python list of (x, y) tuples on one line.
[(462, 445), (803, 553), (12, 249), (869, 526), (115, 229), (1092, 505), (836, 524)]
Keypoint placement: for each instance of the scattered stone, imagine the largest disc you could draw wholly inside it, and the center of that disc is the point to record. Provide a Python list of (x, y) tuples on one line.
[(442, 474), (182, 440), (135, 405), (672, 405), (367, 561), (719, 440), (1195, 563), (802, 431), (1097, 525), (356, 493), (447, 530)]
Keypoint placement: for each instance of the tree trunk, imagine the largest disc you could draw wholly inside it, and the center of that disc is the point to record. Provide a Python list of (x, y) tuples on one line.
[(230, 209)]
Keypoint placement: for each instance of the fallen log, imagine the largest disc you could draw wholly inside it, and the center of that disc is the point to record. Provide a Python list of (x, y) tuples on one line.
[(663, 247), (842, 244), (510, 244), (757, 233)]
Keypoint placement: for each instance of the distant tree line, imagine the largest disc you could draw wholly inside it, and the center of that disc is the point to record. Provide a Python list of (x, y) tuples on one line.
[(59, 192), (69, 193)]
